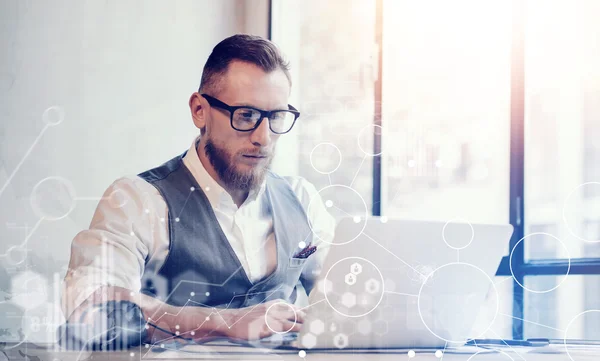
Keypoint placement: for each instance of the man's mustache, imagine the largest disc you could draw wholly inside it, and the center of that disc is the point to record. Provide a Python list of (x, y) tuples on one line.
[(256, 153)]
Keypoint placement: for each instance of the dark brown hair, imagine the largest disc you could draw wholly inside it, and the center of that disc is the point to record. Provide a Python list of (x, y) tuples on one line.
[(249, 48)]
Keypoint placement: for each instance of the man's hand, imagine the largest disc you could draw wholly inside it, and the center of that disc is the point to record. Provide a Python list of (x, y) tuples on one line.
[(262, 320)]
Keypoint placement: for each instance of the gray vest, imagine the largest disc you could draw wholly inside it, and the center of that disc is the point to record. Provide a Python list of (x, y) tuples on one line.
[(201, 265)]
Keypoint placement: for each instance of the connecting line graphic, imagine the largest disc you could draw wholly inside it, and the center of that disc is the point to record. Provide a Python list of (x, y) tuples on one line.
[(392, 253), (216, 284), (502, 280), (341, 210), (533, 323), (312, 304), (214, 311), (192, 189), (218, 312), (329, 176), (358, 170), (509, 346), (31, 232), (27, 237), (444, 351), (23, 159)]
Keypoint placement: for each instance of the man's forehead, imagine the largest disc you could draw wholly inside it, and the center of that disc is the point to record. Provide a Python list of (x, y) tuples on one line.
[(247, 84)]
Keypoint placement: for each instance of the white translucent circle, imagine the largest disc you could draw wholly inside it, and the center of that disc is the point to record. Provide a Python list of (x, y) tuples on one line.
[(537, 234), (356, 219), (439, 354), (332, 147), (53, 198), (207, 294), (301, 244), (53, 115), (590, 351), (383, 219), (430, 277), (291, 327), (411, 354), (337, 188), (458, 248), (192, 189), (177, 219), (373, 128), (302, 353), (564, 215), (411, 163), (192, 294), (329, 203), (381, 290)]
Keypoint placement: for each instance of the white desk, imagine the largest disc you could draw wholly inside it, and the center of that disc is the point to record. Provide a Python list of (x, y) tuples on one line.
[(242, 353)]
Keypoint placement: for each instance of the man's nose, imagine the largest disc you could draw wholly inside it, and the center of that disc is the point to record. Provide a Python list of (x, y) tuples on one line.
[(261, 136)]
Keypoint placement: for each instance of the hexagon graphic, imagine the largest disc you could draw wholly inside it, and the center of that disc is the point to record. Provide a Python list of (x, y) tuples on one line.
[(372, 286), (309, 340), (349, 299), (356, 268), (340, 340), (325, 286), (350, 279), (317, 327)]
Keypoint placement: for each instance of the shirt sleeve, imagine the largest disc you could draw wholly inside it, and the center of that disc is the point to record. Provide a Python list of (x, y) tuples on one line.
[(126, 229)]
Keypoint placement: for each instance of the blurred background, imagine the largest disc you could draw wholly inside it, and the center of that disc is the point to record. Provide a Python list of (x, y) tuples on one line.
[(484, 111)]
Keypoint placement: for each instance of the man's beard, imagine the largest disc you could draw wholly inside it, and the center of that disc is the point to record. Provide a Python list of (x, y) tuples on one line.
[(234, 179)]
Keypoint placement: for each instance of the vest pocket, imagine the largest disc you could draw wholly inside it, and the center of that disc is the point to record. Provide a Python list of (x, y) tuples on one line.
[(297, 262)]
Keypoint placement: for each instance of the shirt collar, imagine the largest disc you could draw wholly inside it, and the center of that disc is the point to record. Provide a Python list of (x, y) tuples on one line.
[(217, 195)]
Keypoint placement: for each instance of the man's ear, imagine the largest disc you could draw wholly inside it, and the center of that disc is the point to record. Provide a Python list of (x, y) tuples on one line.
[(198, 108)]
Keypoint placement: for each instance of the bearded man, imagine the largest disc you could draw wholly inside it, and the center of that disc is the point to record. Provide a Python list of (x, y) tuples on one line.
[(212, 242)]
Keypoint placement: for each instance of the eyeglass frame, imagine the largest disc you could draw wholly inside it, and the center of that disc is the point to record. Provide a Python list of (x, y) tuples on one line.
[(214, 102)]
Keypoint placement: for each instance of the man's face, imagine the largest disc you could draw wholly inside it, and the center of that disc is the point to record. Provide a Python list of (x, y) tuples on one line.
[(241, 159)]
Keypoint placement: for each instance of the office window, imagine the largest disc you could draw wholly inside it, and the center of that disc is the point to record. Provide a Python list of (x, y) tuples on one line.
[(446, 110), (564, 311), (562, 153), (446, 127), (330, 47)]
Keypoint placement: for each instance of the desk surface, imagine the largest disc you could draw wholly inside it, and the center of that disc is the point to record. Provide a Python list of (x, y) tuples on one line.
[(33, 353)]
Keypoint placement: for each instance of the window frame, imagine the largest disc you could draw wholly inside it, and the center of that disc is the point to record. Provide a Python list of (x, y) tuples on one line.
[(520, 267)]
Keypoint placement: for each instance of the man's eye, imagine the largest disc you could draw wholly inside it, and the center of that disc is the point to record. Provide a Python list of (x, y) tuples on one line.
[(247, 114)]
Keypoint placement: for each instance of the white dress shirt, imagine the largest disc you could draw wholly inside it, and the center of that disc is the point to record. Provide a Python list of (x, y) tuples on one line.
[(129, 233)]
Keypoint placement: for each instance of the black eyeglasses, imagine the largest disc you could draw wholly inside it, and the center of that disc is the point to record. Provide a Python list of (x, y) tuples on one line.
[(245, 118)]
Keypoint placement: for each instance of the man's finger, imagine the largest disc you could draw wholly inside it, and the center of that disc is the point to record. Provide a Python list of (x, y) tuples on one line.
[(290, 326)]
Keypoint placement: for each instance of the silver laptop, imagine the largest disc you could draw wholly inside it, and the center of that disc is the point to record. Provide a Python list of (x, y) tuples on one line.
[(392, 283)]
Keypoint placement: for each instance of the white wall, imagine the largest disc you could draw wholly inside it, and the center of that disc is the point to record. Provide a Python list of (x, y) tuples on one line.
[(122, 73)]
